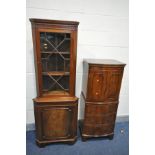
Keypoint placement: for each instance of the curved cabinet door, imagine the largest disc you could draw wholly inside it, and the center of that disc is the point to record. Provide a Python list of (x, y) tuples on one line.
[(95, 86), (115, 78), (104, 85), (98, 87)]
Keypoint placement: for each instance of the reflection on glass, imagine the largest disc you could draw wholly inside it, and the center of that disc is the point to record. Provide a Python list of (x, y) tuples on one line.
[(55, 55)]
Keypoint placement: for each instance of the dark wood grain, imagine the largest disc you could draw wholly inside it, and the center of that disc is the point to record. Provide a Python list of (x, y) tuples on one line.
[(55, 111), (49, 21), (101, 97), (56, 121)]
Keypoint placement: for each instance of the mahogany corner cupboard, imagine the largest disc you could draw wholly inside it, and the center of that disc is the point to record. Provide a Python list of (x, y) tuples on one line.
[(55, 107), (100, 96)]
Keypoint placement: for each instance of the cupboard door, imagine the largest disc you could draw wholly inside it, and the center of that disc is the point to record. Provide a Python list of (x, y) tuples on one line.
[(95, 86), (104, 85), (98, 86), (55, 56), (115, 78), (56, 122)]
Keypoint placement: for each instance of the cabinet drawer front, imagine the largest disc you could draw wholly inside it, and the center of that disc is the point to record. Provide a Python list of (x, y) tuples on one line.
[(98, 130), (100, 109), (100, 119)]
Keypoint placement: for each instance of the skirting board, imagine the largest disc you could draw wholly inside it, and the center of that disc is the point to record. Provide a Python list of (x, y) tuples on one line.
[(30, 127)]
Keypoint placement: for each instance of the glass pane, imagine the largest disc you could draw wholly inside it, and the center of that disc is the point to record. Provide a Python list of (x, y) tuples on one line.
[(55, 56)]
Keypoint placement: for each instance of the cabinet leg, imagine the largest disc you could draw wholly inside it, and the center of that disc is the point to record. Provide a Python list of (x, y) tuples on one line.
[(111, 137), (71, 142), (84, 139), (41, 145)]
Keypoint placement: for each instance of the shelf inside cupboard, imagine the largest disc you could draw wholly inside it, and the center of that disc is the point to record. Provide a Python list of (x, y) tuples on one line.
[(56, 73)]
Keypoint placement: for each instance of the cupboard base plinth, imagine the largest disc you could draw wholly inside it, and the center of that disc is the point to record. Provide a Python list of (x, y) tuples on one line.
[(70, 141), (85, 136)]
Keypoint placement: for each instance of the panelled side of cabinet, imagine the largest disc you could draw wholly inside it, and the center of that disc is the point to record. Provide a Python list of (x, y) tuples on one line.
[(101, 96), (55, 107)]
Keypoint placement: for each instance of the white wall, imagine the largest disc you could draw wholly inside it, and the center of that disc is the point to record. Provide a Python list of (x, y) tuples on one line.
[(103, 33)]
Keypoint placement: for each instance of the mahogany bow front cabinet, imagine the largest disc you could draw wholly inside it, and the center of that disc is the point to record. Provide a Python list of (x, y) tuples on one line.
[(100, 95), (55, 107)]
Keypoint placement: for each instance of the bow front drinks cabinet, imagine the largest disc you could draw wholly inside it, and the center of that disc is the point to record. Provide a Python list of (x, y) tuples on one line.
[(56, 105), (100, 95)]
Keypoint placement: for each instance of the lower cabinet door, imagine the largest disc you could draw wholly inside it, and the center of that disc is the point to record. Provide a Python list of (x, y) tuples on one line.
[(56, 122)]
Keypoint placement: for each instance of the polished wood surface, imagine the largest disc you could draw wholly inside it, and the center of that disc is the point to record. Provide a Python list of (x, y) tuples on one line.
[(56, 121), (55, 99), (55, 109), (54, 26), (100, 94), (47, 21), (103, 62)]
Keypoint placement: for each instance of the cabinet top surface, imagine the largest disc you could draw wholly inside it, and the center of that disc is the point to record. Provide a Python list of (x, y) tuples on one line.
[(55, 99), (103, 62), (48, 21)]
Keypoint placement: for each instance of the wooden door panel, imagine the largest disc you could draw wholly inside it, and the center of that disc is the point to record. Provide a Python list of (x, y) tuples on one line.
[(104, 85), (56, 122), (115, 78), (98, 85), (48, 62), (95, 87)]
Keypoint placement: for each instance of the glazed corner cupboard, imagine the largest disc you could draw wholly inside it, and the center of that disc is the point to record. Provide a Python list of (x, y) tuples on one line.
[(56, 105), (100, 95)]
